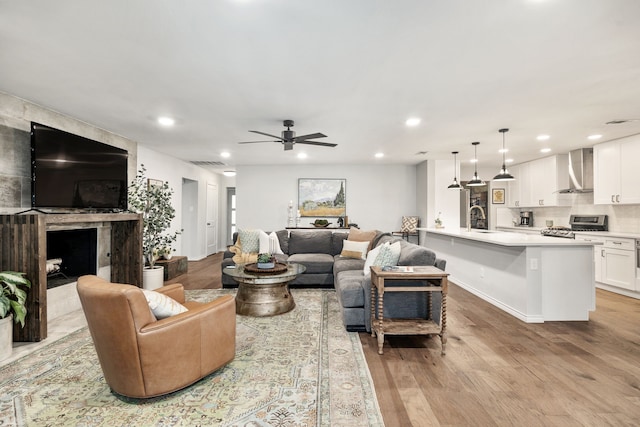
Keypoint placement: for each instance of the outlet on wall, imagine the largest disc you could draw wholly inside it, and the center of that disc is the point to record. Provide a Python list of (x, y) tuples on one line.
[(534, 263)]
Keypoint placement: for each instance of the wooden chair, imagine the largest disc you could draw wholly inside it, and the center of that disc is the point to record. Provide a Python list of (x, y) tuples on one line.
[(408, 228)]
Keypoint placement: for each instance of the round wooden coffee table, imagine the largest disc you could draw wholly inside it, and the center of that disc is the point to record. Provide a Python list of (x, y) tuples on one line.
[(265, 294)]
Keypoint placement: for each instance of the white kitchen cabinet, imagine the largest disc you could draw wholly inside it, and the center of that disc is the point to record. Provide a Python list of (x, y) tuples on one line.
[(597, 253), (538, 181), (619, 263), (616, 173), (514, 188)]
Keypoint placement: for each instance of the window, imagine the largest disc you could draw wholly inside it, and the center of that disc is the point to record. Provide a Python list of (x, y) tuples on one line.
[(231, 214)]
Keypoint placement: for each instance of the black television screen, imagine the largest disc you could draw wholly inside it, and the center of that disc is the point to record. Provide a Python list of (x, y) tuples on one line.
[(72, 172)]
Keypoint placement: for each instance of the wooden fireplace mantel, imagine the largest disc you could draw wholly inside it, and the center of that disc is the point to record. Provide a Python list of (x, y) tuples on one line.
[(23, 247)]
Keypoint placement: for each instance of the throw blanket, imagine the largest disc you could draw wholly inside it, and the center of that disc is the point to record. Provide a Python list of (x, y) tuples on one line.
[(242, 257)]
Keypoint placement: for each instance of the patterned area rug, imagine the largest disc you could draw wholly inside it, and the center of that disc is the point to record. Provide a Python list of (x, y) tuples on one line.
[(297, 369)]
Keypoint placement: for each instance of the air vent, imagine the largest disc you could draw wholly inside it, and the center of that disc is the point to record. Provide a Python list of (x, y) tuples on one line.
[(207, 163), (421, 153)]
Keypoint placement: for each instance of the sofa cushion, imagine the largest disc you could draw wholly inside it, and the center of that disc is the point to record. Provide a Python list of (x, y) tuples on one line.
[(337, 240), (315, 263), (309, 242), (350, 292), (351, 249), (283, 240), (341, 263), (411, 254)]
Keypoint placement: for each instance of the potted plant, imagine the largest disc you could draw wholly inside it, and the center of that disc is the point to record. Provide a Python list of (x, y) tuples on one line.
[(152, 199), (266, 260), (12, 306)]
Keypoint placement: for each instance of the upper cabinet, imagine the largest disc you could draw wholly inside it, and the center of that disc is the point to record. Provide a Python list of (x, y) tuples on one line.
[(538, 182), (616, 173)]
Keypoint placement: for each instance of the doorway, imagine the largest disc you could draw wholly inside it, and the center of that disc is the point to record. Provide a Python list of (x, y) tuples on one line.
[(189, 236), (212, 219)]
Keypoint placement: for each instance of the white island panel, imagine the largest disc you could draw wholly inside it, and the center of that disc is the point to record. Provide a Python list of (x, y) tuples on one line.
[(535, 280)]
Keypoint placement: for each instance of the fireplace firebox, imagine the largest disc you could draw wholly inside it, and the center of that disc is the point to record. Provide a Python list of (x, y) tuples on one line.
[(70, 254)]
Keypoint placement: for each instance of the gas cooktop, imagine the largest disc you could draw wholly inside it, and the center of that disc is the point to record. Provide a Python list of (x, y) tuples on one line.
[(565, 232)]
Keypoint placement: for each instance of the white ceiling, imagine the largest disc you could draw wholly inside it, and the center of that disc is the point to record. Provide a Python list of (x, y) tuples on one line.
[(354, 70)]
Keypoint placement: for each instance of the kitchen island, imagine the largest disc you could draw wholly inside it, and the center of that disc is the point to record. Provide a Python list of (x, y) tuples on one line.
[(532, 277)]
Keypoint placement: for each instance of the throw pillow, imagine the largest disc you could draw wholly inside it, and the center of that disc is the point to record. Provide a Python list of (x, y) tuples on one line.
[(389, 255), (351, 249), (161, 305), (371, 257), (263, 239), (358, 235), (249, 240), (274, 244)]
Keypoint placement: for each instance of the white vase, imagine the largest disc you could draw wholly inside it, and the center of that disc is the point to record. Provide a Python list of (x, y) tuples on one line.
[(6, 337), (153, 278)]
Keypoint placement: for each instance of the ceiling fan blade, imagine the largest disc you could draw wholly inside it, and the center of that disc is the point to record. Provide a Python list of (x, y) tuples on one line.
[(254, 142), (310, 136), (266, 134), (323, 144)]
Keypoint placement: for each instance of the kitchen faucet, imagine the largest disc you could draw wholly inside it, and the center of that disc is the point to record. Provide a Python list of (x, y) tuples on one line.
[(469, 215)]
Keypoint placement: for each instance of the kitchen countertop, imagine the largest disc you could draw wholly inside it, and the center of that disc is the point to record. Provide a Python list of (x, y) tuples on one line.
[(591, 233), (506, 238)]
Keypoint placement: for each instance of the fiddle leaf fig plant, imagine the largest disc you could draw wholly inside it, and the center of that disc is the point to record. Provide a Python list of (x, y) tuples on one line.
[(13, 297), (153, 200)]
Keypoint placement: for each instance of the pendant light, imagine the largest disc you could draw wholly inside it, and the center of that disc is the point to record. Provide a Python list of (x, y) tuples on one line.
[(455, 185), (475, 181), (504, 174)]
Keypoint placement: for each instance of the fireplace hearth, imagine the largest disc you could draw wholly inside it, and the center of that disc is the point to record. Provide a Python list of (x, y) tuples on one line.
[(70, 254)]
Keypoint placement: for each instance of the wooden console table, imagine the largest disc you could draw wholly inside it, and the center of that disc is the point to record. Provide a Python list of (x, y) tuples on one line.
[(428, 279)]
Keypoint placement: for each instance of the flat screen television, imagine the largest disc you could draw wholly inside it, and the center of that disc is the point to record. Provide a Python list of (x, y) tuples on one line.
[(72, 172)]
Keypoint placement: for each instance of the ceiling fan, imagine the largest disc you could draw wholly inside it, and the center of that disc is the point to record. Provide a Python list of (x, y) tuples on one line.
[(289, 138)]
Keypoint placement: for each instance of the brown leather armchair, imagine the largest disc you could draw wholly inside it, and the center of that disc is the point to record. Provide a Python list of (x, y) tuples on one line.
[(143, 357)]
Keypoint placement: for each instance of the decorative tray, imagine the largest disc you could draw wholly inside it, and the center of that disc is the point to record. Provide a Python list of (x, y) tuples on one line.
[(321, 225), (253, 268)]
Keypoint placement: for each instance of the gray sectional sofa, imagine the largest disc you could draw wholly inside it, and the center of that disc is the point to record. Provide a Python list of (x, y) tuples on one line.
[(319, 251)]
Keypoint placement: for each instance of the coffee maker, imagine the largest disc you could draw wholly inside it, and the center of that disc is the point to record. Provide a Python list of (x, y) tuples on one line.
[(526, 219)]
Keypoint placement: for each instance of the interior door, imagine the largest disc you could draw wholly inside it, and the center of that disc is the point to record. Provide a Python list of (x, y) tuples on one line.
[(212, 219)]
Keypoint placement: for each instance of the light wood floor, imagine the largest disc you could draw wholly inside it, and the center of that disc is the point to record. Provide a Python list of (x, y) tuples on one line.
[(499, 371)]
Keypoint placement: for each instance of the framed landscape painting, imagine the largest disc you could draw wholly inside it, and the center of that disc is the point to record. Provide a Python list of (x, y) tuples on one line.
[(322, 197)]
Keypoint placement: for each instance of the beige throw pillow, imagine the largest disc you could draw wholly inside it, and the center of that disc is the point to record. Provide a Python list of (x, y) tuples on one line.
[(356, 250), (357, 235)]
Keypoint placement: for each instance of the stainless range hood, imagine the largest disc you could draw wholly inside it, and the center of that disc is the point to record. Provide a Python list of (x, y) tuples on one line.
[(580, 171)]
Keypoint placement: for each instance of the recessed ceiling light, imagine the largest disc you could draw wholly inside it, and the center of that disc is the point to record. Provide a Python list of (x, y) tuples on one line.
[(503, 150), (379, 155), (413, 121), (545, 150), (302, 155), (542, 137), (473, 161), (166, 121), (229, 173), (594, 137), (509, 160), (225, 154)]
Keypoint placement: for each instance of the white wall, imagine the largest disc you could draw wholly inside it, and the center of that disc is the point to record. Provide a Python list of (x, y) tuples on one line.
[(166, 168), (377, 195)]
